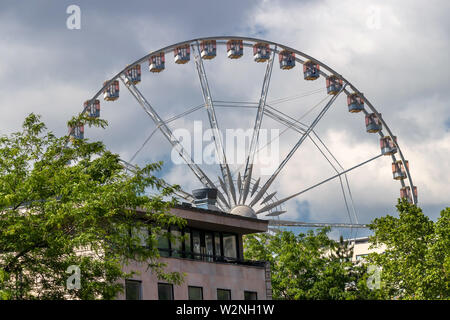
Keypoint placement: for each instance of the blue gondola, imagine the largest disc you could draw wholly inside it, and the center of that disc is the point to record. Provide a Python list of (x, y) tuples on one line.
[(373, 124), (133, 74), (111, 93), (235, 49), (156, 63), (93, 109), (355, 103), (287, 59), (182, 54), (77, 132), (311, 70), (261, 52), (208, 49), (387, 145), (405, 193), (334, 84), (398, 170)]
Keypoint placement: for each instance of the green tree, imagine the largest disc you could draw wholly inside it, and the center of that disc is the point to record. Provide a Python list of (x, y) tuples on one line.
[(57, 199), (309, 266), (416, 262)]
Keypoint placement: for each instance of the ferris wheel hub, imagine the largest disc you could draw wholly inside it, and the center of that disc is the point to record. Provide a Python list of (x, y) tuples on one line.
[(244, 211)]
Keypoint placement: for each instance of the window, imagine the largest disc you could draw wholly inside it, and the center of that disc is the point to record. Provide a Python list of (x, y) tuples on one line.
[(209, 246), (196, 244), (133, 290), (361, 256), (163, 244), (176, 244), (142, 234), (217, 245), (195, 293), (229, 245), (187, 244), (223, 294), (250, 295), (165, 291)]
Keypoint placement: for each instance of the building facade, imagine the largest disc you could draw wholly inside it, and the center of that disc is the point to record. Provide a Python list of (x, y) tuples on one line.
[(210, 255)]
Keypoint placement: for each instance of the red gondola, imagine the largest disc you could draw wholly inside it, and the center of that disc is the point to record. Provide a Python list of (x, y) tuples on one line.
[(76, 132), (208, 49), (398, 170), (373, 124), (133, 74), (387, 145), (405, 193), (182, 54), (287, 59), (235, 49), (261, 52), (311, 70), (334, 84), (111, 93), (156, 62), (93, 109), (355, 103)]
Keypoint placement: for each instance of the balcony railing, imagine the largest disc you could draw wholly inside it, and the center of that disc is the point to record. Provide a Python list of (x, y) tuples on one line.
[(209, 258)]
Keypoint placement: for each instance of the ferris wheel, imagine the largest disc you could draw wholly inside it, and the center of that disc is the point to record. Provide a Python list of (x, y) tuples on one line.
[(241, 190)]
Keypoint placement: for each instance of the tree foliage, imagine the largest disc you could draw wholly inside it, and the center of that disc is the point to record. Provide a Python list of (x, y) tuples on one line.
[(309, 266), (416, 262), (58, 199)]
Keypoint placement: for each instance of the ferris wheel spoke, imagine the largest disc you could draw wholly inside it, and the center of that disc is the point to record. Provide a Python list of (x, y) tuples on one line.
[(243, 192), (297, 145), (224, 168), (279, 202), (151, 112)]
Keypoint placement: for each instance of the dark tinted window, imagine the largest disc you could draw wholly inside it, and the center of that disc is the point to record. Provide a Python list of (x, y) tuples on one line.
[(250, 295), (223, 294), (133, 290), (195, 293), (165, 291)]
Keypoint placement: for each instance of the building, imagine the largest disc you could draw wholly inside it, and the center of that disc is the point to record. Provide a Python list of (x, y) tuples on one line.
[(211, 256), (361, 248)]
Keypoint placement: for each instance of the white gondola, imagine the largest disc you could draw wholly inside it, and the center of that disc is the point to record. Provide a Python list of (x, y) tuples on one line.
[(93, 109), (133, 74), (373, 124), (77, 132), (387, 145), (311, 70), (111, 93), (287, 59), (235, 49), (355, 103), (182, 54), (398, 170), (405, 193), (261, 52), (156, 63), (334, 84), (208, 49)]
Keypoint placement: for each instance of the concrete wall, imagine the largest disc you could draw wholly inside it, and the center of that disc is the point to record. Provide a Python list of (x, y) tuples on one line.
[(208, 275)]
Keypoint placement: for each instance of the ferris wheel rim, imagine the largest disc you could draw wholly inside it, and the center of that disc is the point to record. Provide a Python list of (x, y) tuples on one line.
[(170, 48)]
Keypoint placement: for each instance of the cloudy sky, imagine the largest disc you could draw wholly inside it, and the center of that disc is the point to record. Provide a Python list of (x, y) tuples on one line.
[(397, 53)]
